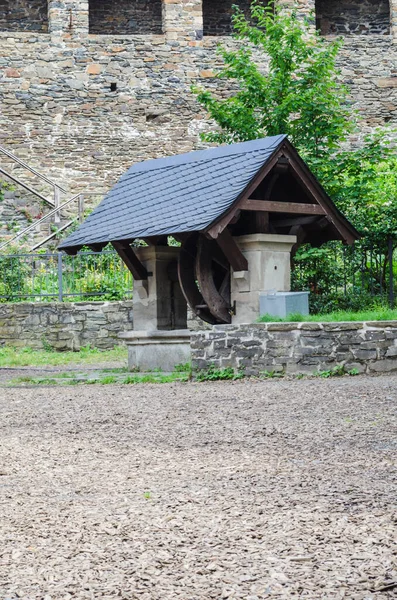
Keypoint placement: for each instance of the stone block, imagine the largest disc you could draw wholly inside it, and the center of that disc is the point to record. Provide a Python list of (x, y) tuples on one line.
[(364, 354), (374, 335), (383, 366), (342, 326), (150, 350), (360, 367), (351, 339), (280, 326), (382, 324)]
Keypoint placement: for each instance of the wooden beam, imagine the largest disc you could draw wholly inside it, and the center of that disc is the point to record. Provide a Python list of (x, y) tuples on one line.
[(131, 260), (156, 240), (232, 252), (282, 207), (300, 234), (97, 247), (292, 221)]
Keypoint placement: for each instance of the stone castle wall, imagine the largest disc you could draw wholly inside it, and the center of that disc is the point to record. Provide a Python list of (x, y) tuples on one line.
[(298, 347), (24, 15), (121, 17), (344, 17), (65, 326), (83, 107)]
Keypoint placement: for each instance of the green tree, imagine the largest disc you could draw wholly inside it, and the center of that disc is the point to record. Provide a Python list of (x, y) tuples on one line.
[(282, 78), (298, 93), (363, 184)]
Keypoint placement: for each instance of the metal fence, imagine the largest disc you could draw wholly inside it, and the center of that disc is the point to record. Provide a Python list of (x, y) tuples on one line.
[(347, 277), (56, 276), (337, 276)]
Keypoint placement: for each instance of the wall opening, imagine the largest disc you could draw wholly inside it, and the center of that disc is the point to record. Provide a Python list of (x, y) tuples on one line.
[(217, 15), (359, 17), (125, 17), (24, 15)]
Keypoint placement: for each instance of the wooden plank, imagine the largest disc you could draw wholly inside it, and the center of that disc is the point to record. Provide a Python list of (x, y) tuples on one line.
[(218, 305), (131, 260), (232, 252), (187, 280), (282, 207)]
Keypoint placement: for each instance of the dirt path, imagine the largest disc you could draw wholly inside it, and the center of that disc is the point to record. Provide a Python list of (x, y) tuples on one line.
[(252, 490)]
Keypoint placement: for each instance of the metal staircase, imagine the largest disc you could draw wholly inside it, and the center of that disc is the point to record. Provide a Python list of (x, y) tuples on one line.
[(55, 202)]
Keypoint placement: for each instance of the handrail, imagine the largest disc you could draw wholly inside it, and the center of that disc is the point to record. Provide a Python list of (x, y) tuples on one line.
[(37, 223), (48, 238), (27, 187), (26, 166), (52, 212)]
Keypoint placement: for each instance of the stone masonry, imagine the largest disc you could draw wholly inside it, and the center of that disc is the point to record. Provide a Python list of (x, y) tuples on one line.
[(24, 15), (344, 17), (65, 326), (121, 17), (83, 107), (298, 347)]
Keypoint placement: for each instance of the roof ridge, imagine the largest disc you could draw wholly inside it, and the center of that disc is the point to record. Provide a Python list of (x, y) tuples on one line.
[(209, 154)]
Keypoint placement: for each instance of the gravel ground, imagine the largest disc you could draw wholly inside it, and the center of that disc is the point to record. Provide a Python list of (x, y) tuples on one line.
[(247, 490)]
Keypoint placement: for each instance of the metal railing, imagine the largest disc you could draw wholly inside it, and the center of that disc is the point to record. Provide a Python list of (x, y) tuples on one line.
[(55, 214), (342, 277), (57, 276), (57, 189), (15, 158)]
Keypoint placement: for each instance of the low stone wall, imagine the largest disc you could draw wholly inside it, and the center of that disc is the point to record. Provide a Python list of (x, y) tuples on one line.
[(369, 347), (65, 326)]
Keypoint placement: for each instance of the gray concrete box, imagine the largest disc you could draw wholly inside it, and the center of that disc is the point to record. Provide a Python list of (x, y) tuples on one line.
[(282, 304)]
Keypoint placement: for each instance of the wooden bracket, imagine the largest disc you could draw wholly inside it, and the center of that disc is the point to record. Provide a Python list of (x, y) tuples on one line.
[(232, 252), (131, 260)]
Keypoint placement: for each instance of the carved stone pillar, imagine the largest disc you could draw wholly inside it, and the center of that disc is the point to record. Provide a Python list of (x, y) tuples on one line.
[(269, 269)]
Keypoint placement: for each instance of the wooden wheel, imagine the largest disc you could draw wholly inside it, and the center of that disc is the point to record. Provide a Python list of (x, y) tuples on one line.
[(204, 277)]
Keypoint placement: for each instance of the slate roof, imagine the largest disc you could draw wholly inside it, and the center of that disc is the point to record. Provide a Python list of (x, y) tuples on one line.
[(181, 193)]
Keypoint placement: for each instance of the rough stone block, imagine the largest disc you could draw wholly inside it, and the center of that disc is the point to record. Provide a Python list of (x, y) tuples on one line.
[(343, 326), (383, 366), (364, 354)]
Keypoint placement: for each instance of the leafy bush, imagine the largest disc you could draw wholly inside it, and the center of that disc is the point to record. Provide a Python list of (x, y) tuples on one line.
[(218, 374)]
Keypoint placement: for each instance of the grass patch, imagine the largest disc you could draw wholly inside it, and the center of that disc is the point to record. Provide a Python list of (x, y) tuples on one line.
[(380, 314), (60, 379), (27, 357)]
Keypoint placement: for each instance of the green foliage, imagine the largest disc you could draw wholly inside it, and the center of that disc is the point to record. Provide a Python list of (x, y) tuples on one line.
[(273, 374), (27, 357), (46, 345), (183, 368), (81, 378), (299, 94), (363, 184), (219, 374), (337, 371), (382, 313), (24, 276), (13, 278), (340, 278)]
